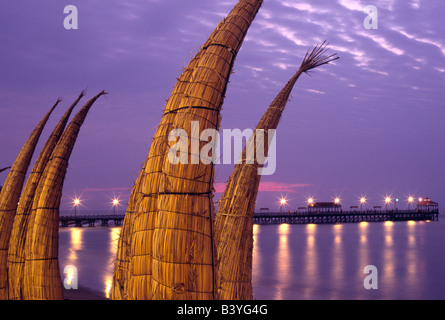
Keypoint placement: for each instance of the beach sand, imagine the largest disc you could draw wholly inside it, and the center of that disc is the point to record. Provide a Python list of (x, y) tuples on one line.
[(83, 293)]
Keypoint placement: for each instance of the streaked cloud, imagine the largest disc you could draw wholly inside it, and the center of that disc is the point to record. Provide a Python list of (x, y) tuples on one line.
[(269, 186)]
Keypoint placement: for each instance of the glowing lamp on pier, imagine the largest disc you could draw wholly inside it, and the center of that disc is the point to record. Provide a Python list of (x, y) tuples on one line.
[(115, 204), (76, 203), (283, 202), (310, 201), (387, 200), (337, 200), (410, 200), (362, 201)]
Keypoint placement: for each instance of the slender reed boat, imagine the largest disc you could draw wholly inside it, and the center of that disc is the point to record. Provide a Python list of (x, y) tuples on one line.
[(16, 253), (183, 241), (146, 268), (234, 219), (10, 195), (42, 280)]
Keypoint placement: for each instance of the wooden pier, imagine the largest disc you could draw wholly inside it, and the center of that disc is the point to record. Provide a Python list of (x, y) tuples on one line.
[(279, 217), (91, 220), (344, 217)]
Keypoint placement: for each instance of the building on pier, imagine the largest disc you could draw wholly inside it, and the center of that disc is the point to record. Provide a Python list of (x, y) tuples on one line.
[(324, 207), (426, 205)]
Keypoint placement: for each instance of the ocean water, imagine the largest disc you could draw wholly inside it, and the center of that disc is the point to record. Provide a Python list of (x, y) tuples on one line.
[(304, 262)]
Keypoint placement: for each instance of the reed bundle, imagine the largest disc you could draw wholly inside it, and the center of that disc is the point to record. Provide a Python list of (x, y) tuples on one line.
[(121, 271), (137, 286), (183, 241), (16, 253), (10, 195), (42, 279), (191, 90), (234, 219), (132, 275)]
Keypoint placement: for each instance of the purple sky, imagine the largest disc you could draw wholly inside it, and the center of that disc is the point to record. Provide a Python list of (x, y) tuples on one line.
[(370, 124)]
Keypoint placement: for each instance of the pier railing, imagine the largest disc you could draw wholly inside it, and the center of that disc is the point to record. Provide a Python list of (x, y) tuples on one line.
[(279, 217), (344, 216), (91, 220)]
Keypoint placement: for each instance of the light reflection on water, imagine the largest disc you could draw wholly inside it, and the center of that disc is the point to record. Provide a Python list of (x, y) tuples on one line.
[(303, 261), (92, 251)]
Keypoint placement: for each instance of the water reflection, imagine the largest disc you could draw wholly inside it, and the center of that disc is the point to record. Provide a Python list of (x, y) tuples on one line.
[(310, 262), (388, 275), (256, 254), (76, 245), (363, 252), (109, 269), (412, 259), (283, 261), (304, 261), (338, 261)]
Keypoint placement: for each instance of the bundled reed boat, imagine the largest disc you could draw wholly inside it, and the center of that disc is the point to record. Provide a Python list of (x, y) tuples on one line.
[(172, 251), (10, 195), (234, 219), (16, 254), (42, 280)]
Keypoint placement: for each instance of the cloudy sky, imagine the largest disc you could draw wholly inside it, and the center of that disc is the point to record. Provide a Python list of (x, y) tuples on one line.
[(372, 123)]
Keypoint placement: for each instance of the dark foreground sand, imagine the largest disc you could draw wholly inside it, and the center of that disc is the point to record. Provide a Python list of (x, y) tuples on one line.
[(83, 294)]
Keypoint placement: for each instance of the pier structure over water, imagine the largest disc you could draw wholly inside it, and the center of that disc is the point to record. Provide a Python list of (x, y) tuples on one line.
[(331, 212), (91, 220), (344, 217), (316, 213)]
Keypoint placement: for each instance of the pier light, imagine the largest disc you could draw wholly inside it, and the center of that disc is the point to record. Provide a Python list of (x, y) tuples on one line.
[(115, 204), (387, 200), (310, 201), (337, 200), (410, 200), (76, 203), (282, 202), (420, 199), (362, 202)]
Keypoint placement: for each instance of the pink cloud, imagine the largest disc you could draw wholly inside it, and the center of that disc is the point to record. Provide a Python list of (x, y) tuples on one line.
[(268, 186), (105, 189)]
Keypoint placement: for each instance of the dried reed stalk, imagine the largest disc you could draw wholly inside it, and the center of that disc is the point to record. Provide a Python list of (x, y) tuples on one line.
[(132, 275), (123, 256), (42, 279), (183, 246), (139, 285), (16, 253), (10, 195), (234, 219)]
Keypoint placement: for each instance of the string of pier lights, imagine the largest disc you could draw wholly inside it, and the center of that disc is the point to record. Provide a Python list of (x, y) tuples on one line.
[(362, 200), (77, 203), (283, 202)]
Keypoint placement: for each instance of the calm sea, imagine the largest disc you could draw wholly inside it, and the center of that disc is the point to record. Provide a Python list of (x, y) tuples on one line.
[(304, 261)]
